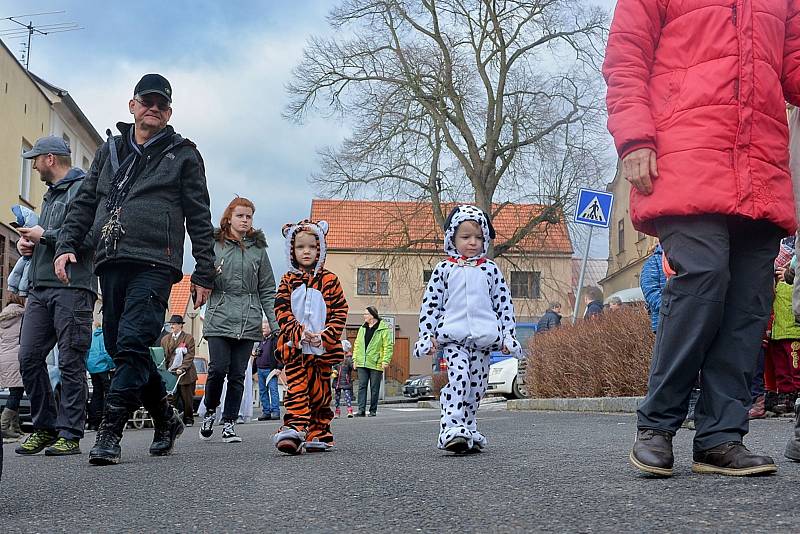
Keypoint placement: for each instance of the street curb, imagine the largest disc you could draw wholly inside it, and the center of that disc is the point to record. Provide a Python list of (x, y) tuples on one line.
[(398, 400), (585, 404), (434, 404)]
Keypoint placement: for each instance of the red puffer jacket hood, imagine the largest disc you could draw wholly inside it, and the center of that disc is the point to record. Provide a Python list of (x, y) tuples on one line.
[(703, 83)]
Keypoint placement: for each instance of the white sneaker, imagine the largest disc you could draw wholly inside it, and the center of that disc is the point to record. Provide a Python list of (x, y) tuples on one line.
[(229, 433), (207, 426)]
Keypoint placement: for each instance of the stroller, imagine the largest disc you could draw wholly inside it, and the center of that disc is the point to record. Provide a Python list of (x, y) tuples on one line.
[(141, 418)]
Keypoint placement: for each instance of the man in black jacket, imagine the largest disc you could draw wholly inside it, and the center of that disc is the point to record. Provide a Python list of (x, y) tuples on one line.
[(593, 298), (143, 186), (56, 311), (551, 318)]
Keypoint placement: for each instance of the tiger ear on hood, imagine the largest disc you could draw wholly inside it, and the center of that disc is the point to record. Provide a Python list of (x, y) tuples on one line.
[(287, 229), (323, 225)]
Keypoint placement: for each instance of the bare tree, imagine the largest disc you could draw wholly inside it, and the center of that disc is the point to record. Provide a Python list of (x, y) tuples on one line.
[(495, 101)]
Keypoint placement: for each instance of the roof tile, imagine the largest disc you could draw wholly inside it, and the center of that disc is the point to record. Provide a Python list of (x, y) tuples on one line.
[(179, 297), (382, 225)]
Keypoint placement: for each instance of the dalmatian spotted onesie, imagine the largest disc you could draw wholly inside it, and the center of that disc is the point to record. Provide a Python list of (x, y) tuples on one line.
[(467, 309)]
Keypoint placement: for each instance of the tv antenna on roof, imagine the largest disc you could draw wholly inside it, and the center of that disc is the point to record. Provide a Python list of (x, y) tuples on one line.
[(22, 29)]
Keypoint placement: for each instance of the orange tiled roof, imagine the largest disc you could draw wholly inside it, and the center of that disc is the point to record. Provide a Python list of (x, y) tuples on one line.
[(179, 297), (381, 225)]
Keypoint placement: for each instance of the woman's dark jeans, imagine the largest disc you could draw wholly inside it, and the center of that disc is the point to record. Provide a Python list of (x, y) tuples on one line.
[(374, 378)]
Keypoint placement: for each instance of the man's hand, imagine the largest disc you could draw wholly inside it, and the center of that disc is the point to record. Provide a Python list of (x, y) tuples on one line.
[(25, 247), (385, 365), (60, 264), (33, 234), (201, 295), (639, 168)]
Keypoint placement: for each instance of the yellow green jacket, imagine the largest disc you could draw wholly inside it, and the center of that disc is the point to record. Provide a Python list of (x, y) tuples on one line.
[(783, 325), (379, 352)]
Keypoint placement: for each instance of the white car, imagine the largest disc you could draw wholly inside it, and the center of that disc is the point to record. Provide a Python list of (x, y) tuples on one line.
[(507, 378)]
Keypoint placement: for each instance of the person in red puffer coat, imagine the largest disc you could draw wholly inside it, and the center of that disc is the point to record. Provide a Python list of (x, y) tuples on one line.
[(696, 106)]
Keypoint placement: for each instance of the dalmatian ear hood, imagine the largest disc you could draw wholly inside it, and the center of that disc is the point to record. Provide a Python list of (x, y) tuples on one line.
[(319, 229), (459, 214)]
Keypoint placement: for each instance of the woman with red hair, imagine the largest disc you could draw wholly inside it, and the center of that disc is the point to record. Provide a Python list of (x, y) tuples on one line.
[(243, 292)]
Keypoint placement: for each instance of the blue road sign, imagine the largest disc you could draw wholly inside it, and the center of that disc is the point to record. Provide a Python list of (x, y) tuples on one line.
[(594, 208)]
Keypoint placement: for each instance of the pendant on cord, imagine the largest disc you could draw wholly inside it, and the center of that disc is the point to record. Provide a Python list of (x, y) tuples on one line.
[(112, 231)]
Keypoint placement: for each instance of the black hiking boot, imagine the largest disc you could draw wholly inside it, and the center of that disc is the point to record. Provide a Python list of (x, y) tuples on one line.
[(167, 428), (106, 450)]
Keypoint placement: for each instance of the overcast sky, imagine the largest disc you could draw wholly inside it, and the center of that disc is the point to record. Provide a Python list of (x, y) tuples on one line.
[(228, 63)]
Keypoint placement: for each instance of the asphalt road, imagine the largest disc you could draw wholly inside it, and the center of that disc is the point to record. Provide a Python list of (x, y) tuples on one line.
[(542, 472)]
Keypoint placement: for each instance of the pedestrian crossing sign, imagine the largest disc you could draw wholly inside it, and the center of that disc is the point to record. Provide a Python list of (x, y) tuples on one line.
[(594, 208)]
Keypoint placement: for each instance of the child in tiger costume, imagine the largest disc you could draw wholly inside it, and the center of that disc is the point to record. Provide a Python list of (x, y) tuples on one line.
[(311, 311)]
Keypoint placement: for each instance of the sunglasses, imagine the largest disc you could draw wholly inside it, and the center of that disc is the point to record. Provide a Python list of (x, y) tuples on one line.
[(148, 103)]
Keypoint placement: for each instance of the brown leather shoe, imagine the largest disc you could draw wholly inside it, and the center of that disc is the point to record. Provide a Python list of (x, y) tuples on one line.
[(652, 452), (757, 410), (733, 459)]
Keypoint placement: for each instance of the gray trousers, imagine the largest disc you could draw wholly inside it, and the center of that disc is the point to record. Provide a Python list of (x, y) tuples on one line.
[(713, 315), (62, 316)]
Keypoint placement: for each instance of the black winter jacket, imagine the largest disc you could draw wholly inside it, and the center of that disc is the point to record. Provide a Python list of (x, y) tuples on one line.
[(56, 203), (548, 321), (170, 191)]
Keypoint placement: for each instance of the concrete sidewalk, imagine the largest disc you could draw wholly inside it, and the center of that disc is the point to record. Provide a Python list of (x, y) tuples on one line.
[(587, 404)]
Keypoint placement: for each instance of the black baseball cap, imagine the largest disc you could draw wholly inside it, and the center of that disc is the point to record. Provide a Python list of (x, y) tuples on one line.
[(154, 83)]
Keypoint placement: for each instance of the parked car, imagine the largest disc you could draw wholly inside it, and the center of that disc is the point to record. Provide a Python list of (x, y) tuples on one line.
[(507, 377), (525, 331), (418, 387), (506, 373)]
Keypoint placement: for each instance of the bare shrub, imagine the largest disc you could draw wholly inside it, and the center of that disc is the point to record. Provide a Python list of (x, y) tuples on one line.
[(606, 356)]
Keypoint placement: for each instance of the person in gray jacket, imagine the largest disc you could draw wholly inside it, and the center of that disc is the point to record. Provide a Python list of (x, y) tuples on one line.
[(244, 291), (145, 189), (56, 312)]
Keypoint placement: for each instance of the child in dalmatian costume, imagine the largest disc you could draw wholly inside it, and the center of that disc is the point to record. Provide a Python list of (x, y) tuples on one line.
[(468, 313)]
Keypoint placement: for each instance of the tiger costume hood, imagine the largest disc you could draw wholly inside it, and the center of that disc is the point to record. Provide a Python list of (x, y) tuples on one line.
[(319, 229)]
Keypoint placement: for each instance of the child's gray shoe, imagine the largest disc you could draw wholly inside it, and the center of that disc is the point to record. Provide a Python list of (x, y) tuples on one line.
[(288, 440), (315, 445)]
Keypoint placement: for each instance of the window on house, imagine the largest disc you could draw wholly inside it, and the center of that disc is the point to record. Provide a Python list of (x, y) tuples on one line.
[(65, 137), (25, 174), (86, 164), (426, 275), (526, 284), (621, 235), (373, 281)]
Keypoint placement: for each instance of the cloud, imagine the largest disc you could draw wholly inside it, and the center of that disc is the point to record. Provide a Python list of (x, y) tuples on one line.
[(228, 98), (228, 66)]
